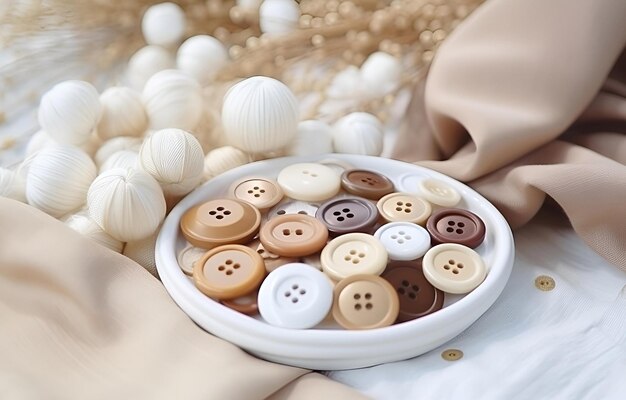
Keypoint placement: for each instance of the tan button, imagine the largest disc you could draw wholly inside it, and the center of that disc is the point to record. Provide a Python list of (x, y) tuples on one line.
[(352, 254), (404, 207), (272, 261), (293, 235), (453, 268), (545, 283), (365, 302), (220, 221), (365, 183), (229, 271), (262, 193), (188, 257), (452, 354)]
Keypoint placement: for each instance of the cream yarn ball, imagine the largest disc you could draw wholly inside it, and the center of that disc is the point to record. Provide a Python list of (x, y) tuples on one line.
[(142, 252), (114, 145), (83, 224), (358, 133), (260, 114), (173, 99), (12, 185), (126, 203), (70, 111), (146, 62), (123, 113), (58, 179), (223, 159), (314, 137), (380, 73), (279, 16), (121, 159), (163, 24), (202, 57), (174, 158)]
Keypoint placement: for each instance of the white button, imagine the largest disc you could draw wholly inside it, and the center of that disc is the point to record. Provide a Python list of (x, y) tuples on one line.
[(309, 182), (295, 296), (438, 192), (404, 241), (351, 254), (453, 268)]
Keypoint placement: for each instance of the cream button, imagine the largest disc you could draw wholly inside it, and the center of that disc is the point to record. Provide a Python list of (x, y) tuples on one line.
[(453, 268), (309, 182), (295, 296), (404, 207), (351, 254), (438, 192), (404, 241), (262, 193), (188, 256), (365, 302), (293, 235)]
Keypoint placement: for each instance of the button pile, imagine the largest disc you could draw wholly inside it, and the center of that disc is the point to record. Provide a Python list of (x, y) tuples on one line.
[(299, 251)]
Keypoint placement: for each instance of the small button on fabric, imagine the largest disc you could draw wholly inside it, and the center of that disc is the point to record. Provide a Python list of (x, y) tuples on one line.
[(404, 207), (351, 254), (229, 271), (365, 302), (309, 182), (454, 225), (440, 193), (188, 256), (246, 304), (417, 296), (220, 221), (366, 184), (403, 240), (348, 214), (453, 268), (545, 283), (293, 235), (452, 354), (262, 193), (295, 296)]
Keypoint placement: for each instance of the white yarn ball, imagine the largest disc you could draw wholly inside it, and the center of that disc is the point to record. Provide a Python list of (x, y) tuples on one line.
[(279, 16), (39, 141), (126, 203), (70, 111), (202, 57), (163, 24), (358, 133), (142, 252), (223, 159), (58, 179), (260, 114), (146, 62), (123, 113), (114, 145), (175, 159), (381, 73), (83, 224), (173, 99), (314, 137), (12, 185), (121, 159), (346, 85)]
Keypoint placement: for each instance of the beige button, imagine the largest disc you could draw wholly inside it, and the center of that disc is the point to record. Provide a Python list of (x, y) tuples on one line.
[(440, 193), (453, 268), (351, 254), (404, 207), (309, 182), (452, 354), (272, 261), (220, 221), (365, 302), (293, 235), (229, 271), (262, 193), (545, 283), (188, 256)]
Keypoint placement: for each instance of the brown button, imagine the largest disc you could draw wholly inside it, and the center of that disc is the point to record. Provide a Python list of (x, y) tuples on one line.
[(367, 184), (365, 302), (454, 225), (188, 256), (262, 193), (230, 271), (271, 260), (293, 235), (220, 221), (417, 296), (452, 354), (246, 304), (348, 214), (545, 283), (404, 207)]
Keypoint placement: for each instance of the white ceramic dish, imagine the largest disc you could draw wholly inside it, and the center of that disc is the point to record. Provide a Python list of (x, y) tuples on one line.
[(327, 348)]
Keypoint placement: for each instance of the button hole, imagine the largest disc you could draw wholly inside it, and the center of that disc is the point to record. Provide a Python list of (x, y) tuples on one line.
[(287, 294), (286, 232), (295, 287), (355, 261), (221, 268), (398, 209), (401, 232), (400, 241), (455, 271), (250, 191), (415, 288), (401, 290), (219, 216), (461, 225), (229, 272), (460, 266), (357, 296), (346, 210), (357, 306), (407, 210), (394, 236), (281, 212), (299, 232), (353, 252), (412, 295), (446, 267), (302, 212), (302, 291), (459, 231), (236, 266), (220, 208), (405, 283), (399, 203), (257, 195), (226, 212), (212, 212), (451, 223), (336, 213), (449, 230), (451, 262), (369, 306), (361, 255), (350, 215), (409, 204), (294, 300), (347, 258), (368, 296), (262, 190), (340, 219)]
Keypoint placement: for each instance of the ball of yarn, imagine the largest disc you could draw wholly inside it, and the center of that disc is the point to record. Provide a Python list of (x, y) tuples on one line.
[(173, 99), (12, 185), (123, 113), (142, 252), (58, 179), (114, 145), (313, 137), (174, 158), (380, 73), (146, 62), (260, 114), (39, 141), (279, 16), (358, 133), (222, 159), (126, 203), (121, 159), (201, 57), (83, 224), (163, 24), (70, 111)]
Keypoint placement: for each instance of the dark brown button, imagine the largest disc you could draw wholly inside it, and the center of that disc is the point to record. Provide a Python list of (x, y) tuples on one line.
[(454, 225), (348, 214), (417, 296), (245, 304), (367, 184)]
